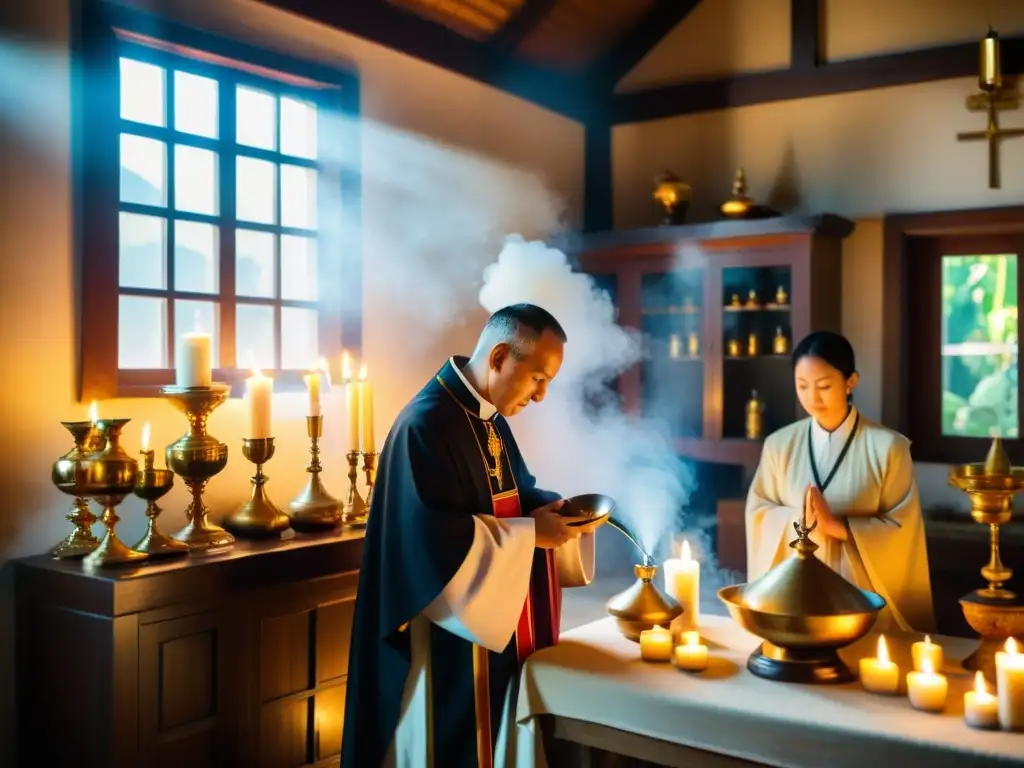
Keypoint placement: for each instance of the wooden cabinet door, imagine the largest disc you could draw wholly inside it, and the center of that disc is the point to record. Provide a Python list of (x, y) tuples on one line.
[(189, 690)]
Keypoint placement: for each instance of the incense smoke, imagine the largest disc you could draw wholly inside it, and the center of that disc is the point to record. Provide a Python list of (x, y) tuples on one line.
[(577, 440)]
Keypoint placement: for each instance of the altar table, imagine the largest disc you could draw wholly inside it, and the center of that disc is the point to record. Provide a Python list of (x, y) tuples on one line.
[(595, 690)]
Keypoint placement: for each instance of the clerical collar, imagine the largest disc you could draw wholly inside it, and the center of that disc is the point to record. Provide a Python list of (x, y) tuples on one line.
[(839, 434), (486, 409)]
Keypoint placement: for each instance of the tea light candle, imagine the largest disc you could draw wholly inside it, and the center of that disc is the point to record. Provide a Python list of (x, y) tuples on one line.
[(926, 649), (351, 402), (927, 689), (1010, 686), (691, 656), (880, 674), (259, 390), (682, 581), (656, 644), (981, 708), (367, 443)]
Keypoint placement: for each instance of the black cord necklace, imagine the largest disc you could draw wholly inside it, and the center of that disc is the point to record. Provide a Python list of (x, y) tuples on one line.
[(842, 454)]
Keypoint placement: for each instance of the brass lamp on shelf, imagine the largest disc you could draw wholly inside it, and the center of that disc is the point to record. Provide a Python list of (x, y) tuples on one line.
[(994, 612), (672, 195)]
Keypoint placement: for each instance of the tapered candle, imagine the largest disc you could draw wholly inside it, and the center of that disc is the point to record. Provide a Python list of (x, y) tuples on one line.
[(192, 363), (880, 674), (682, 581), (1010, 686), (314, 380), (691, 655), (351, 402), (656, 644), (259, 390), (144, 447), (981, 708), (366, 412), (926, 649), (927, 689)]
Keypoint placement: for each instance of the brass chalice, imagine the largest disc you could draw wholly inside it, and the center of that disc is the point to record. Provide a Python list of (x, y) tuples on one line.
[(804, 612), (150, 486), (196, 457), (110, 475), (994, 612), (67, 476), (314, 508), (258, 517)]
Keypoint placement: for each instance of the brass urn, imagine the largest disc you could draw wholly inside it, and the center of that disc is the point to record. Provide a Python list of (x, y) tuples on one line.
[(643, 605)]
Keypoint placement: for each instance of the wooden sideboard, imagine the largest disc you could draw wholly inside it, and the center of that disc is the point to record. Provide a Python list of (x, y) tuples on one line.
[(232, 659)]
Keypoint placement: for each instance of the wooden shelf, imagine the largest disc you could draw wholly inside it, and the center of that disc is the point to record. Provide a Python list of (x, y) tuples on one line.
[(726, 451)]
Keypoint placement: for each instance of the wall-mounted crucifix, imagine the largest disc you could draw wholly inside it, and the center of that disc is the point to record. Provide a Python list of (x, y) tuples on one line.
[(992, 99)]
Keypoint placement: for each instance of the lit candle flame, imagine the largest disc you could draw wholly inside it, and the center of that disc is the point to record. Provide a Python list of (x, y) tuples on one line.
[(684, 554), (883, 651), (692, 638), (1011, 646), (362, 372), (94, 412), (927, 640), (658, 628), (980, 687), (927, 668), (145, 436), (346, 366)]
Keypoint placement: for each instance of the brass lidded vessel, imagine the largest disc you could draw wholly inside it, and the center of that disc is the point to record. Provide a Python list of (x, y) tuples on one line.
[(804, 612), (643, 605)]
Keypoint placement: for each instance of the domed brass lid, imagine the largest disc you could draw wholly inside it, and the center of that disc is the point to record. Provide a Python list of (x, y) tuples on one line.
[(805, 586)]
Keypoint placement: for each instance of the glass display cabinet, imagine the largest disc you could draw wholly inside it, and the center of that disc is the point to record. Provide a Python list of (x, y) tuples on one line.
[(719, 306)]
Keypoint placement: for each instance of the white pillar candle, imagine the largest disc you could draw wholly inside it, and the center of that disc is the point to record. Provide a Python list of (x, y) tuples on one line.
[(366, 412), (927, 689), (981, 708), (192, 361), (682, 581), (259, 391), (656, 644), (691, 655), (1010, 686), (879, 674), (351, 402), (926, 649)]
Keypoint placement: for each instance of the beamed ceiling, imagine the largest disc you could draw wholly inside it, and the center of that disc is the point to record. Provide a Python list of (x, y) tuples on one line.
[(568, 55)]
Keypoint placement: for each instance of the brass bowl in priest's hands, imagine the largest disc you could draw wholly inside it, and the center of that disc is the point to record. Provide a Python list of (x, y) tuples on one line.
[(587, 512)]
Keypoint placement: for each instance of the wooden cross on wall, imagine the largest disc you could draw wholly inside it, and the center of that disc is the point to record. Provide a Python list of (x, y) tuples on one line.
[(992, 133)]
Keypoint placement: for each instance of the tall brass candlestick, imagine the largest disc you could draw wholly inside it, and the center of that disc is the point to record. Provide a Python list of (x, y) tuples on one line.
[(354, 514), (314, 508), (66, 475), (196, 457), (150, 486), (259, 517), (370, 468)]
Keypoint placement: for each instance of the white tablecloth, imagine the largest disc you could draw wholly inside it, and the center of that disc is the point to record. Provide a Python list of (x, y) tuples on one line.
[(596, 675)]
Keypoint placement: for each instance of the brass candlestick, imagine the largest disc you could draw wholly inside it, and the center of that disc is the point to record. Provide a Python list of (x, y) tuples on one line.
[(110, 475), (67, 477), (994, 612), (354, 514), (314, 508), (258, 517), (150, 486), (370, 468), (196, 457)]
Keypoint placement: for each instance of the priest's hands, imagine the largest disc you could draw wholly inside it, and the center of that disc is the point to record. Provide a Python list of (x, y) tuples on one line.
[(551, 530), (820, 511)]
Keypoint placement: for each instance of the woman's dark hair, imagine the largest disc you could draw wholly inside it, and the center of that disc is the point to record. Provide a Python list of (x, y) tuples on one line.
[(834, 348)]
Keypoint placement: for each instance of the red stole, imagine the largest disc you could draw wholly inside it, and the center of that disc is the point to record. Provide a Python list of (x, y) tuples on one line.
[(507, 505)]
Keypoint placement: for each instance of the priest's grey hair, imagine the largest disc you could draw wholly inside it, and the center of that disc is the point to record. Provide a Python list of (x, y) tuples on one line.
[(518, 325)]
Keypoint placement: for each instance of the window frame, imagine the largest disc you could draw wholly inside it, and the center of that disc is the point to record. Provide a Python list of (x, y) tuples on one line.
[(101, 34), (914, 245)]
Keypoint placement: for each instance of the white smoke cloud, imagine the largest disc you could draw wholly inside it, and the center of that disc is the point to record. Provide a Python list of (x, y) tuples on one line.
[(572, 445)]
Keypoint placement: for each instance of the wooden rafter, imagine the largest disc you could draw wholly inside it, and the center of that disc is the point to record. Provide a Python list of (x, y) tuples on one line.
[(404, 31), (906, 68), (628, 52), (805, 34), (508, 38)]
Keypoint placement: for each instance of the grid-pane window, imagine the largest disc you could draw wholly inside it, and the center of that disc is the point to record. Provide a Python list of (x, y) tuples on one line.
[(220, 200)]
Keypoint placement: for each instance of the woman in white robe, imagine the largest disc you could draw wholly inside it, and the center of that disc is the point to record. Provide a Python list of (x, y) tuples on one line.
[(859, 478)]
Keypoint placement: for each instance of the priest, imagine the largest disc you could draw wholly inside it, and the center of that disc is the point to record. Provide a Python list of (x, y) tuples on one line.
[(463, 563)]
